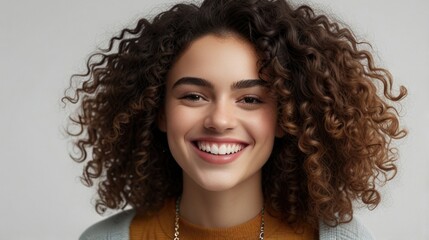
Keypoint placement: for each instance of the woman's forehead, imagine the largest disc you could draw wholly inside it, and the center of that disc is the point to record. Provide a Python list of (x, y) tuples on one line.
[(211, 57)]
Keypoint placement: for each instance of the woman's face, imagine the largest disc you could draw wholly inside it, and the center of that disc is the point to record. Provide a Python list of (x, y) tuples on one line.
[(219, 117)]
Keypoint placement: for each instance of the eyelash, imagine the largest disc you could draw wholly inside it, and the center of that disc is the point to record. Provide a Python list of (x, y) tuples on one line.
[(248, 100), (254, 100), (192, 97)]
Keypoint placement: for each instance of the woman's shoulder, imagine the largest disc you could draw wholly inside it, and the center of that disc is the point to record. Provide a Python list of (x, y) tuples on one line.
[(352, 230), (112, 228)]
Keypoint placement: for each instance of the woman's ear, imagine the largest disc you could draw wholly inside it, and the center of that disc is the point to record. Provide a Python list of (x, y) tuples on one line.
[(161, 121)]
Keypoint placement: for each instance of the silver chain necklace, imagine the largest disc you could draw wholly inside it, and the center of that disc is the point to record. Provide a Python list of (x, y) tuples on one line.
[(176, 223)]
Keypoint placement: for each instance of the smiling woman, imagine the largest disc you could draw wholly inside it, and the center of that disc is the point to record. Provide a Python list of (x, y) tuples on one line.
[(219, 110), (235, 119)]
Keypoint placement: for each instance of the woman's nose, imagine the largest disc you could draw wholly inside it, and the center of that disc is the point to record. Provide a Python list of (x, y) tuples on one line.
[(220, 117)]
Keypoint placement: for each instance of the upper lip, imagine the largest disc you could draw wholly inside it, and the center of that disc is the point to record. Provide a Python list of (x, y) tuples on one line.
[(219, 140)]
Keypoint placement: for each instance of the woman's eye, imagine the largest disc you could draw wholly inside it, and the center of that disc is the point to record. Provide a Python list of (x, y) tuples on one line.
[(192, 97), (251, 100)]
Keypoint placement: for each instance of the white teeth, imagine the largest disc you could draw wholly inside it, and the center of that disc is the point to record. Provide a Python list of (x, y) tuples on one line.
[(228, 148), (219, 149), (222, 149), (214, 149)]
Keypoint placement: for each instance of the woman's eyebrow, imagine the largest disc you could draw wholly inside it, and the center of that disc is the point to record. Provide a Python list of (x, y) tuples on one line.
[(246, 83), (193, 81)]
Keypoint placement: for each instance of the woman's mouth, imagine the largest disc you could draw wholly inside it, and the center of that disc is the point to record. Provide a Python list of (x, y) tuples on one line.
[(219, 148), (218, 152)]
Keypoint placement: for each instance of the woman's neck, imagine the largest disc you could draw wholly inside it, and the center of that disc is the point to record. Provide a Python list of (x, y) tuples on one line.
[(219, 209)]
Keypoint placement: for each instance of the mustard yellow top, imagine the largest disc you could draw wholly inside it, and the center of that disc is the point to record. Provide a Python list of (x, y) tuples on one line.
[(161, 226)]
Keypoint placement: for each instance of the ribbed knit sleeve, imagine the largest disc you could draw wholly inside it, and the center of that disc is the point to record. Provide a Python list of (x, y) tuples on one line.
[(353, 230), (113, 228)]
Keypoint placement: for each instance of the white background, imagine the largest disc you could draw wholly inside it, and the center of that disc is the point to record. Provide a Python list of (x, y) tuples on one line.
[(43, 42)]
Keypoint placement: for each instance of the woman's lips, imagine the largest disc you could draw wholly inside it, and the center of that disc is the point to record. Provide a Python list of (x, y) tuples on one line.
[(219, 148), (218, 152)]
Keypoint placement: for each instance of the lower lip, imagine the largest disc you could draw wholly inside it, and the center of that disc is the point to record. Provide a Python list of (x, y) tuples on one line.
[(217, 159)]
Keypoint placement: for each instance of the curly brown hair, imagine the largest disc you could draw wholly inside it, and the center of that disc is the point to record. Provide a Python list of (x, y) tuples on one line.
[(335, 106)]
